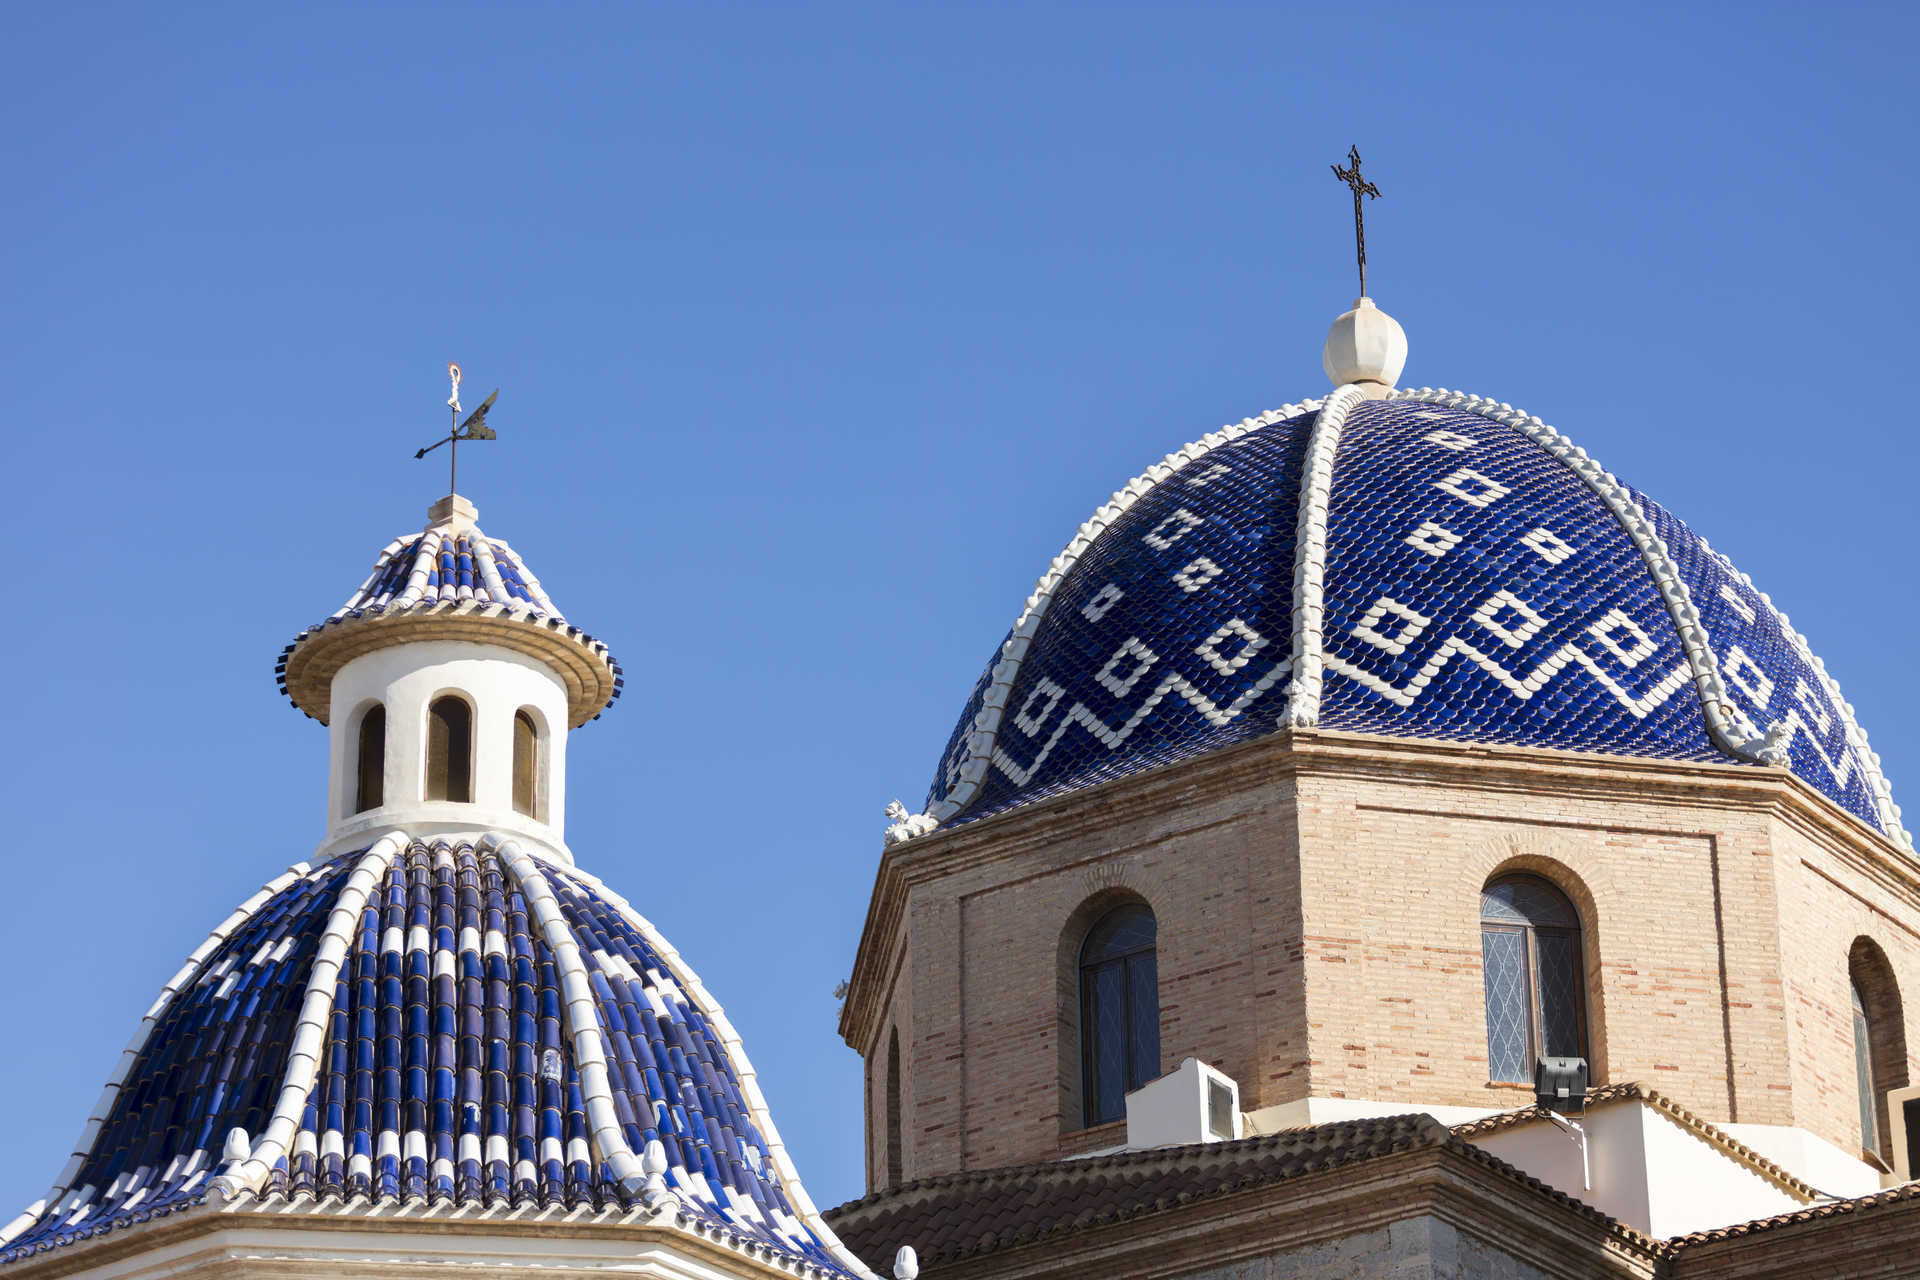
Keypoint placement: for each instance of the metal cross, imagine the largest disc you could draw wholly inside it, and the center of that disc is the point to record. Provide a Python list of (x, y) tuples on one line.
[(1361, 187)]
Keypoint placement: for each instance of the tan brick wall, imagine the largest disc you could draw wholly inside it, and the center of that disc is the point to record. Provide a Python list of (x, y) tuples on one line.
[(1317, 897), (1829, 900)]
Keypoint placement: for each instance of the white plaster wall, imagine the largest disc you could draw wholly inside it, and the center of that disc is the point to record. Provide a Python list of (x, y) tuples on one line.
[(406, 678), (1810, 1158), (1653, 1174)]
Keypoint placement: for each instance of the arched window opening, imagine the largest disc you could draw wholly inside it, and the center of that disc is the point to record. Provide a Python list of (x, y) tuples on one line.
[(1863, 1073), (1879, 1044), (370, 761), (526, 769), (1119, 1011), (450, 750), (893, 1108), (1533, 975)]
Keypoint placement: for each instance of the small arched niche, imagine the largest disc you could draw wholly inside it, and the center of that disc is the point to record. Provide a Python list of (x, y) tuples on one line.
[(894, 1143), (529, 764), (1879, 1034), (370, 759), (449, 750)]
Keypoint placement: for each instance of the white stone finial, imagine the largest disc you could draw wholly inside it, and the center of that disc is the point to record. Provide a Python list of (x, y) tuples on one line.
[(906, 1264), (1365, 345), (237, 1150), (653, 1164)]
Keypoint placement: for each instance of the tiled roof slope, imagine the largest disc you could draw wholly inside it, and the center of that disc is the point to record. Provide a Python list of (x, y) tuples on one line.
[(960, 1216), (447, 1061), (450, 571), (1430, 565)]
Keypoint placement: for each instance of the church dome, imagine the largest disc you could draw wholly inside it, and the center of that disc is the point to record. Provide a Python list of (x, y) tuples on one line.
[(1421, 564), (447, 1025)]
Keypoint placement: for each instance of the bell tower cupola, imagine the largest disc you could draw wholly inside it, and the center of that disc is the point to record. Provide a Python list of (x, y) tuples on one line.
[(449, 681)]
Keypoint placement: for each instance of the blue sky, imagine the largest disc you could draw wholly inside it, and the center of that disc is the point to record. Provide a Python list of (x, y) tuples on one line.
[(819, 330)]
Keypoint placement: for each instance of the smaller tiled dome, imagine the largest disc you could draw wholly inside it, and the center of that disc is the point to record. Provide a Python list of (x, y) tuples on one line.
[(450, 582), (437, 1024)]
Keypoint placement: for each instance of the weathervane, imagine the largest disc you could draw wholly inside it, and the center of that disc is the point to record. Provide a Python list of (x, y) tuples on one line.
[(1361, 187), (474, 428)]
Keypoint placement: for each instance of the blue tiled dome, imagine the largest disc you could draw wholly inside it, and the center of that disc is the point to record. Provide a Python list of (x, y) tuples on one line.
[(483, 1004), (461, 582), (1430, 565)]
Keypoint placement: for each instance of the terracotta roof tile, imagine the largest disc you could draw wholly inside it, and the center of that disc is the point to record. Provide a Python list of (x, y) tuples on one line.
[(964, 1215)]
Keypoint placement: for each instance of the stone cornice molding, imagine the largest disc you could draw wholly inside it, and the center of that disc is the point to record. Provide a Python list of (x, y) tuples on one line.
[(583, 663), (372, 1238)]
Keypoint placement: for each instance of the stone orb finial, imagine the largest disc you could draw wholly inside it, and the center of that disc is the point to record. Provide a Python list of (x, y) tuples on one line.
[(1365, 345)]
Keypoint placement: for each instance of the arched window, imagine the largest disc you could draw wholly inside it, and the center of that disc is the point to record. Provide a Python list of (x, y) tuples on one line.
[(893, 1108), (1879, 1043), (450, 750), (1863, 1073), (370, 761), (526, 763), (1530, 957), (1119, 1011)]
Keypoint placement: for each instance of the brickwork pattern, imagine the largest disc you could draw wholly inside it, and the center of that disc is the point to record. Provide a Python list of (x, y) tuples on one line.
[(1318, 904)]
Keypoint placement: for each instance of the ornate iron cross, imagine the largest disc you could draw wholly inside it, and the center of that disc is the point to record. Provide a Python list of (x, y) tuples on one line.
[(1361, 187)]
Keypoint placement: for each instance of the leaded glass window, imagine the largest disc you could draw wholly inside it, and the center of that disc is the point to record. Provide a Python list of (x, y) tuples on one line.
[(1119, 1011), (1863, 1073), (1532, 974)]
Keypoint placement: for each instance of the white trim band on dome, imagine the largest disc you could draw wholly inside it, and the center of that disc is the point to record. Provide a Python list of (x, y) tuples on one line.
[(980, 741), (1310, 558), (689, 982), (379, 566), (196, 959), (578, 1008), (316, 1012), (1879, 786)]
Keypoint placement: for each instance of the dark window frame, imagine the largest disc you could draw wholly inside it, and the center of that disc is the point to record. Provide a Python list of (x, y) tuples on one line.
[(370, 768), (1531, 931), (1138, 1024)]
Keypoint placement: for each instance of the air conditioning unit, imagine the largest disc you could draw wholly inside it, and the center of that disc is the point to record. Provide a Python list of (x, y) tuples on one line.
[(1192, 1103), (1903, 1117)]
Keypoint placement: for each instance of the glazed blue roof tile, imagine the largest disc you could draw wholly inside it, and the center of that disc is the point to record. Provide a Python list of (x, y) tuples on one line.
[(447, 1073), (1479, 586), (449, 568)]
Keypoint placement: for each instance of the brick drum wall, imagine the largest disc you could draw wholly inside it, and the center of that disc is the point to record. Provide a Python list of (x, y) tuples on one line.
[(1317, 897)]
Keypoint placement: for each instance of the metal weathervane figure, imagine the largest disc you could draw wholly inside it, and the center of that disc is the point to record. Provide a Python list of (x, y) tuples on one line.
[(1361, 187), (474, 428)]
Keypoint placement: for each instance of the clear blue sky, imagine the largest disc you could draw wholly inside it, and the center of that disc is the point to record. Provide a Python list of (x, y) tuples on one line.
[(819, 330)]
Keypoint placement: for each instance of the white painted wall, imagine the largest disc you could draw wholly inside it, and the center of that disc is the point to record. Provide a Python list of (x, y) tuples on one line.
[(406, 678), (1810, 1158), (1648, 1170)]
